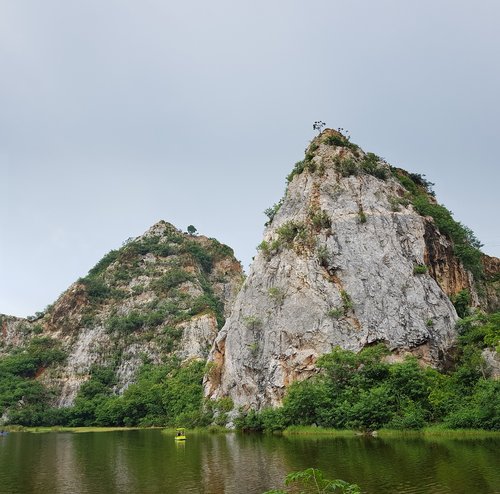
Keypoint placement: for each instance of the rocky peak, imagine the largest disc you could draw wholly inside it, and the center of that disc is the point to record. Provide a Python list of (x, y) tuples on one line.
[(351, 256), (163, 294)]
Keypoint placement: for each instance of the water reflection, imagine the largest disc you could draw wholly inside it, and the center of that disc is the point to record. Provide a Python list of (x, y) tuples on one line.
[(149, 462)]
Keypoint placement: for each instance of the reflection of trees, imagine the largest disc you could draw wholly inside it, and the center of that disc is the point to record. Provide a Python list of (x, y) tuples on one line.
[(237, 463), (393, 465), (149, 462)]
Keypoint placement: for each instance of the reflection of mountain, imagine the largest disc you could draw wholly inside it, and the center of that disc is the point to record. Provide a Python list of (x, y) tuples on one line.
[(149, 462)]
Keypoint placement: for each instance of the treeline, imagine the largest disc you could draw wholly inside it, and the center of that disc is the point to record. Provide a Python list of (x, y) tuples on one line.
[(362, 391), (354, 391), (163, 395)]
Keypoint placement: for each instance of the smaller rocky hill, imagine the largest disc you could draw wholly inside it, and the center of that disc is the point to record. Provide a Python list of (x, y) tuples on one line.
[(163, 294)]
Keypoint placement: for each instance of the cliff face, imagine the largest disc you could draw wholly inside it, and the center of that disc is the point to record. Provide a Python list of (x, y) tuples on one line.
[(346, 260), (162, 294), (490, 285)]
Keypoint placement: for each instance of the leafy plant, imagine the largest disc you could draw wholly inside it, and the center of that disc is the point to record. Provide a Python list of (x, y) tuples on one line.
[(290, 231), (420, 269), (335, 313), (271, 212), (462, 301), (371, 164), (252, 322), (362, 216), (323, 255), (313, 481), (319, 218), (346, 301), (276, 294), (347, 167)]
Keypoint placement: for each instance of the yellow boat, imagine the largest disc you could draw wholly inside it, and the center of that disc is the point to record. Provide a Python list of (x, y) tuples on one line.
[(180, 434)]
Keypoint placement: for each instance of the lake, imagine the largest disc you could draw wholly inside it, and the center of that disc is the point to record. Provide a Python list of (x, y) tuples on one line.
[(148, 461)]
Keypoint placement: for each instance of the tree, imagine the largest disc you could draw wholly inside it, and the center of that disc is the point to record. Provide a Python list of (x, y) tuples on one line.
[(191, 230), (318, 125)]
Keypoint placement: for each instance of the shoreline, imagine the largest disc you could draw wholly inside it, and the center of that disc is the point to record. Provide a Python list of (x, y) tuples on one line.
[(427, 432)]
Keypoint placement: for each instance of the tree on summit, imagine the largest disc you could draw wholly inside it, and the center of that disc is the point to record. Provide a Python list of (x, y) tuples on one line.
[(191, 230), (318, 125)]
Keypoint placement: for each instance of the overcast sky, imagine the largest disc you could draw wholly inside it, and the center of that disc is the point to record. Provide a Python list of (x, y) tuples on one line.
[(115, 114)]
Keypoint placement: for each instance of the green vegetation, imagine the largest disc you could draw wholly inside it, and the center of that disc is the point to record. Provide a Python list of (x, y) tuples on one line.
[(312, 481), (271, 212), (341, 141), (276, 294), (166, 394), (324, 256), (252, 322), (335, 313), (419, 269), (319, 218), (364, 392), (171, 279), (289, 231), (462, 301), (265, 248), (347, 167), (346, 301), (370, 164), (465, 244), (24, 397)]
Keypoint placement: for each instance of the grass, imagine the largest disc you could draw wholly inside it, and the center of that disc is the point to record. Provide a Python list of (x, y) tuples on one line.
[(310, 430), (43, 430), (428, 432), (439, 431), (211, 429)]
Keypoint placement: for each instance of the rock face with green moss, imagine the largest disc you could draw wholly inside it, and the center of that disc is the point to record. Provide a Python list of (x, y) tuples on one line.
[(163, 294), (356, 253)]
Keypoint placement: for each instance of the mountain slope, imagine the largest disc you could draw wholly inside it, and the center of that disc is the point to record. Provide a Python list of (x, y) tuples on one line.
[(356, 253), (161, 295)]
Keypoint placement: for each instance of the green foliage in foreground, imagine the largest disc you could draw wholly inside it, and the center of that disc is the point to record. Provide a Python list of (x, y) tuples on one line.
[(362, 391), (312, 481)]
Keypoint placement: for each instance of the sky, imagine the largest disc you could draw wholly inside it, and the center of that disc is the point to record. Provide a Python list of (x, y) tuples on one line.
[(115, 114)]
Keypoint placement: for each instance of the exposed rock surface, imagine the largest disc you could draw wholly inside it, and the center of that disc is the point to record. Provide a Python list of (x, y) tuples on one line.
[(490, 285), (346, 260), (162, 294)]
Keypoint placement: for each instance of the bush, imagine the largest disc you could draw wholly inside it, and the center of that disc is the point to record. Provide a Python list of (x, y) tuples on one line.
[(420, 269), (371, 164), (289, 231), (319, 218), (276, 294), (297, 170), (271, 212), (171, 279), (200, 254), (347, 167), (127, 324), (96, 289)]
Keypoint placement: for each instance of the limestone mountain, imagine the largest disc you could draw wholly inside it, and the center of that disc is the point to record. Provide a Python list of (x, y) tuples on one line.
[(356, 253), (164, 293)]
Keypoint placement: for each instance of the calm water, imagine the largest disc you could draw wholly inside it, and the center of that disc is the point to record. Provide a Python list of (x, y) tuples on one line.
[(151, 462)]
